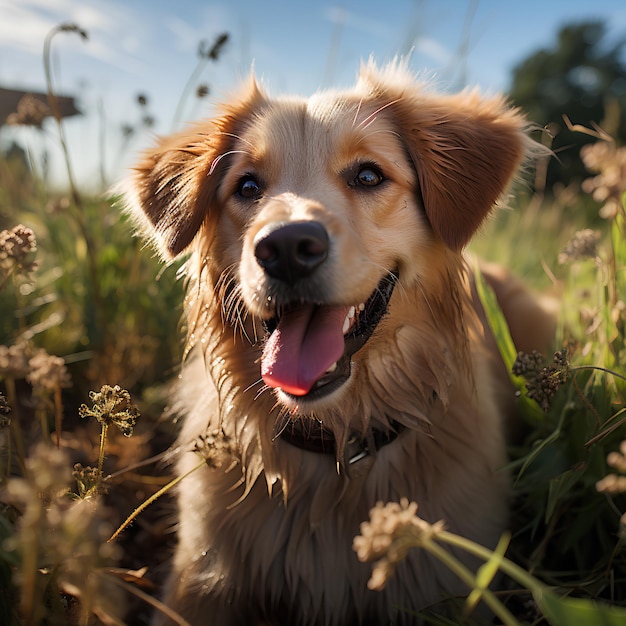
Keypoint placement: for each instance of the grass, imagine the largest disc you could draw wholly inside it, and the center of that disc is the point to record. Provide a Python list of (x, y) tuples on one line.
[(78, 285)]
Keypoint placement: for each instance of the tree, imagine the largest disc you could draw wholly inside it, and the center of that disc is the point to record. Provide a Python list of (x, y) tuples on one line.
[(581, 77)]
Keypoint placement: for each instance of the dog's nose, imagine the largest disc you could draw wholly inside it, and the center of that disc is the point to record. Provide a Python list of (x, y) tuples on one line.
[(292, 251)]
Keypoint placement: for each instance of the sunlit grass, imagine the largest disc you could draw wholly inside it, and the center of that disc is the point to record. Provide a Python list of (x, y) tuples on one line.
[(89, 293)]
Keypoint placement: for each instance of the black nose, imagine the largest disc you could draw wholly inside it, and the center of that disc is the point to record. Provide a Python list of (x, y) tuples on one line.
[(292, 251)]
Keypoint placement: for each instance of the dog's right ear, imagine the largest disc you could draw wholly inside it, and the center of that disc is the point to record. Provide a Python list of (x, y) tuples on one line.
[(172, 189)]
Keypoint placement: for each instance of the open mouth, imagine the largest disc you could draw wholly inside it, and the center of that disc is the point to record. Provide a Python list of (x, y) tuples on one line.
[(309, 346)]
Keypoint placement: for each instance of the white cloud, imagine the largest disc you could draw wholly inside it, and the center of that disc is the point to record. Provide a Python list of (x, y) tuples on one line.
[(340, 16), (433, 50), (24, 26)]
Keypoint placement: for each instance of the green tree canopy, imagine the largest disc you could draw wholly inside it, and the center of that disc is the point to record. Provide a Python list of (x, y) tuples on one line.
[(582, 77)]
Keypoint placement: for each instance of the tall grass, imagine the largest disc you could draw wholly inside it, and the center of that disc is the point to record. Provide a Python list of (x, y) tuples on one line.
[(86, 291)]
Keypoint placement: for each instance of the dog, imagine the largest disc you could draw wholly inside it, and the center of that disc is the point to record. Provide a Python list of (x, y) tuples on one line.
[(335, 354)]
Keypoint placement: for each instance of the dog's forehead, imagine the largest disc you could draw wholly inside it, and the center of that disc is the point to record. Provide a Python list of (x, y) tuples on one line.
[(327, 123)]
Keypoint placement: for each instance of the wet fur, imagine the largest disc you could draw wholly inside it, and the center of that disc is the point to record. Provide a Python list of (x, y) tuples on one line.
[(265, 528)]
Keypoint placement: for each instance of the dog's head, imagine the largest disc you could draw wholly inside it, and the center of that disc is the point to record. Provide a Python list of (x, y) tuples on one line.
[(318, 211)]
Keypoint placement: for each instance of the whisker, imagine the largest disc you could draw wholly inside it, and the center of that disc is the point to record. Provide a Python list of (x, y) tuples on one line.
[(236, 136), (254, 384), (372, 117), (358, 110), (217, 160), (280, 425)]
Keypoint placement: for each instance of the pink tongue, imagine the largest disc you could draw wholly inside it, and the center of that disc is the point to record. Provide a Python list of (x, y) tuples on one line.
[(307, 341)]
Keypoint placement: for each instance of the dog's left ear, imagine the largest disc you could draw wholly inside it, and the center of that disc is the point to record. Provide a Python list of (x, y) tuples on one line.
[(466, 149), (172, 190), (170, 193)]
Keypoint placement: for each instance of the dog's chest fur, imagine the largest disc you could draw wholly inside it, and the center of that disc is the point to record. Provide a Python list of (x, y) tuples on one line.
[(273, 535)]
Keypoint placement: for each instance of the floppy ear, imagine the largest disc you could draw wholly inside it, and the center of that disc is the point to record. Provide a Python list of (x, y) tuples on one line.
[(174, 185), (465, 149)]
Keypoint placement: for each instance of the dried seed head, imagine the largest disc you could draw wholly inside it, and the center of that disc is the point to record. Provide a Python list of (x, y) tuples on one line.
[(17, 250), (47, 373), (14, 360), (112, 405), (542, 380), (392, 530), (583, 245), (88, 480), (31, 111), (215, 447), (71, 27), (527, 363), (202, 91), (609, 164), (213, 53)]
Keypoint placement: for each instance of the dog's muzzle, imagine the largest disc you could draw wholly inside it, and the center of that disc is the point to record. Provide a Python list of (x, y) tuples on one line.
[(309, 344)]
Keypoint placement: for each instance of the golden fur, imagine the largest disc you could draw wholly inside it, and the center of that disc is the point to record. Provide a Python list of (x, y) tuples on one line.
[(266, 527)]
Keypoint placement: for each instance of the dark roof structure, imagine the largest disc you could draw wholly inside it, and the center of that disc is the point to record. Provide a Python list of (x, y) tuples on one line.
[(31, 107)]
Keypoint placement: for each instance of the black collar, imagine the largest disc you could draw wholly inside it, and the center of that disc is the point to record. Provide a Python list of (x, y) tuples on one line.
[(313, 436)]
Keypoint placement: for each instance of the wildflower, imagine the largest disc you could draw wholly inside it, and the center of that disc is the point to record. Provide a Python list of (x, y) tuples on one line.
[(17, 250), (213, 53), (527, 363), (48, 475), (215, 447), (391, 531), (142, 100), (47, 373), (202, 91), (88, 480), (542, 381), (31, 111), (609, 164), (615, 483), (112, 405), (14, 360), (584, 244), (56, 534), (70, 27)]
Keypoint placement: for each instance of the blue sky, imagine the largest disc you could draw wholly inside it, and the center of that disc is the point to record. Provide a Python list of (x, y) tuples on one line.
[(150, 47)]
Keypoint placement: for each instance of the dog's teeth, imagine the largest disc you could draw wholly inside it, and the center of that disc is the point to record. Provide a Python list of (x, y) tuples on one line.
[(332, 368), (361, 307), (346, 324)]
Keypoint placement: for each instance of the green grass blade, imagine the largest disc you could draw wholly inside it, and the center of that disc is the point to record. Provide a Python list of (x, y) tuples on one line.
[(500, 329), (579, 612)]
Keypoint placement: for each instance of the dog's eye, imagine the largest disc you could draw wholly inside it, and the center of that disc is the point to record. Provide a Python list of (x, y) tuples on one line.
[(368, 176), (249, 188)]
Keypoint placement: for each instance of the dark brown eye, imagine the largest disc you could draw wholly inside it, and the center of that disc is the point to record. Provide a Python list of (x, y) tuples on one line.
[(249, 188), (368, 176)]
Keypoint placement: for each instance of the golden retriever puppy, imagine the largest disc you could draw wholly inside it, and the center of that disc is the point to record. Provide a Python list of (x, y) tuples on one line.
[(335, 358)]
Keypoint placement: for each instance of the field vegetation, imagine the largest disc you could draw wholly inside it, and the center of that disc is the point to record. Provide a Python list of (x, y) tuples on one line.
[(88, 317)]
